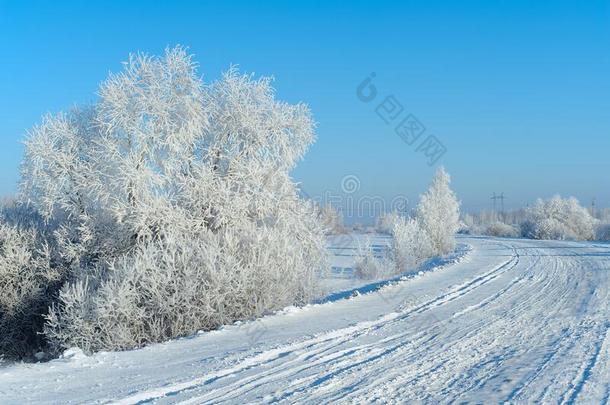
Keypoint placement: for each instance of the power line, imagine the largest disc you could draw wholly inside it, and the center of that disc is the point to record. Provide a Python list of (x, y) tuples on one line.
[(500, 197)]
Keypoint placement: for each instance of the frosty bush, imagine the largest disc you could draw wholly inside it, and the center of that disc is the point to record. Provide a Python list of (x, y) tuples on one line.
[(467, 225), (500, 229), (560, 219), (370, 267), (331, 220), (386, 222), (27, 284), (429, 233), (178, 285), (172, 204), (411, 244), (439, 213), (410, 247)]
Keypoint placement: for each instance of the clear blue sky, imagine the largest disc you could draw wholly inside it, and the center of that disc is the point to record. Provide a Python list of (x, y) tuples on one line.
[(518, 91)]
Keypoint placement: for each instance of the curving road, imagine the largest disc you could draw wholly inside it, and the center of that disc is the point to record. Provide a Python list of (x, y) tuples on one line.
[(514, 321)]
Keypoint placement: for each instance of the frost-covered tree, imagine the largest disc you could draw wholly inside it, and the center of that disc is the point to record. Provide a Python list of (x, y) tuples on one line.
[(371, 266), (410, 247), (411, 244), (27, 281), (430, 232), (558, 218), (467, 224), (439, 213), (387, 221), (171, 204), (331, 219)]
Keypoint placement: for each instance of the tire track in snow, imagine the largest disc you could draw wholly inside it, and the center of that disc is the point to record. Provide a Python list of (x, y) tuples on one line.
[(584, 375), (482, 361), (550, 371), (548, 295)]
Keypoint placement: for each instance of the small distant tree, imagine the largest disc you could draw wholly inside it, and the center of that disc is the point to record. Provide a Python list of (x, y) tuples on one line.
[(467, 224), (411, 245), (368, 266), (386, 221), (439, 213)]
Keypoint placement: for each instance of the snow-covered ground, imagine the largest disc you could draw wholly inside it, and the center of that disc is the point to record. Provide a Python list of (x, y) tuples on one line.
[(514, 320)]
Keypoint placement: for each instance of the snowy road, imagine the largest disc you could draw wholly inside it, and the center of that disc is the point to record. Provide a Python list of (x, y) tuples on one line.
[(516, 320)]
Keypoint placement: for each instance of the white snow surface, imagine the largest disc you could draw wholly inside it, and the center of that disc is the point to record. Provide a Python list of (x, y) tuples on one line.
[(515, 321)]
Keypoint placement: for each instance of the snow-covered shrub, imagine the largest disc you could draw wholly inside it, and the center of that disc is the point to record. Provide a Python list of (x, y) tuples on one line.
[(559, 219), (152, 183), (386, 222), (431, 232), (410, 247), (368, 266), (500, 229), (411, 244), (467, 225), (27, 284), (179, 285), (603, 232), (489, 226), (331, 220), (438, 213)]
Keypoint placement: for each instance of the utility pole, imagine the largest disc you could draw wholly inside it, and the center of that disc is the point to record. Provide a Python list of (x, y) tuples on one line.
[(500, 197), (593, 207), (502, 203)]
